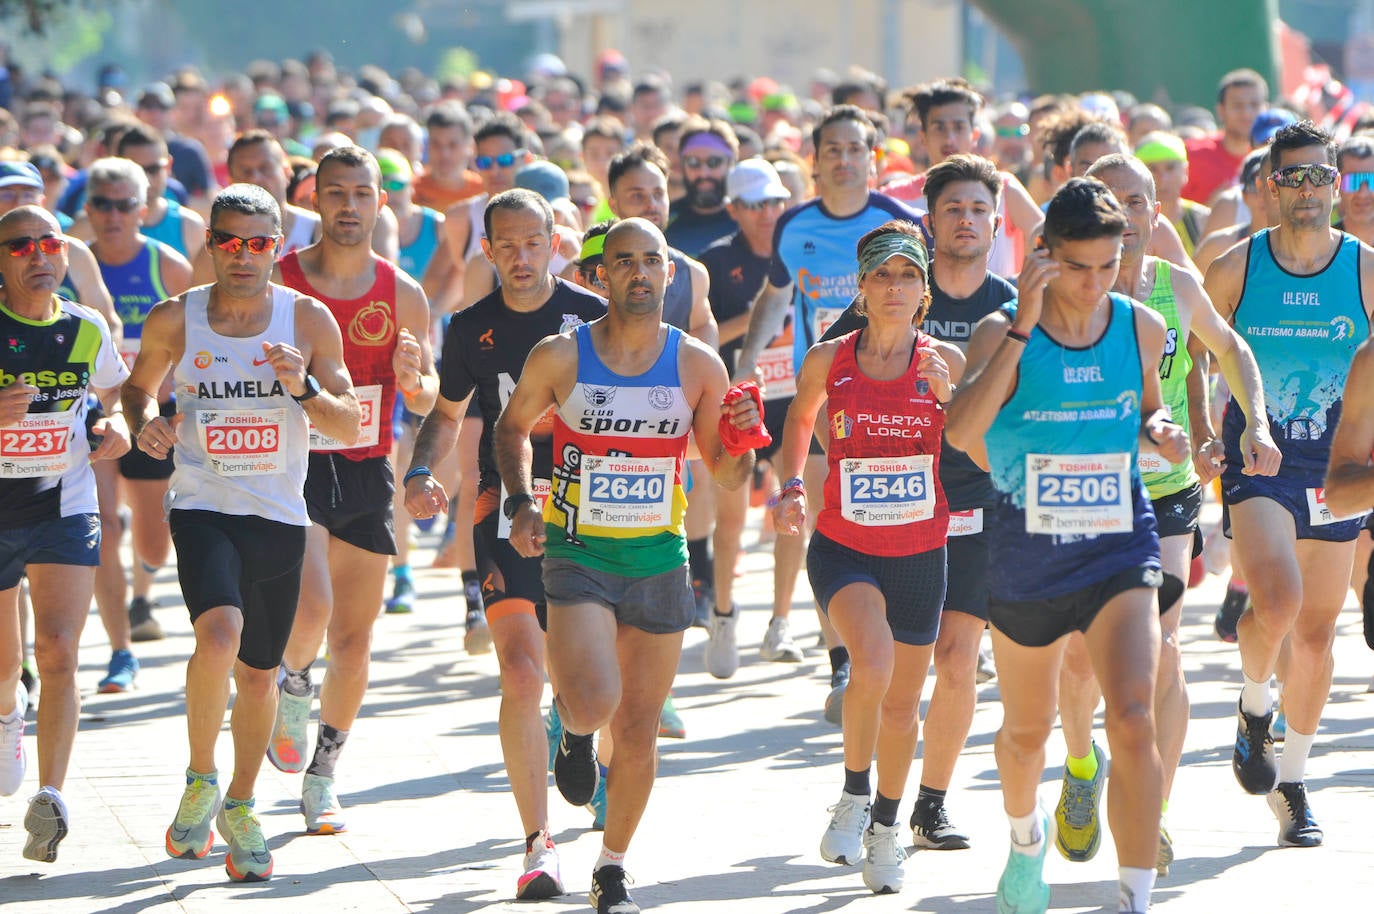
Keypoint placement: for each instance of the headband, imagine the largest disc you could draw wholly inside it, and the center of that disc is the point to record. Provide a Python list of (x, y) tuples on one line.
[(593, 246), (893, 244), (1162, 149), (706, 140)]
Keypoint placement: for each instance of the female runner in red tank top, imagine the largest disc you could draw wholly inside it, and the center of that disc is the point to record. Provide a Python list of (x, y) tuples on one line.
[(877, 559)]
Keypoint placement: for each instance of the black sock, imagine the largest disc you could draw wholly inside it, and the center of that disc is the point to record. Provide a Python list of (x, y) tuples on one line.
[(472, 591), (856, 782), (885, 809), (701, 564), (929, 800), (839, 656)]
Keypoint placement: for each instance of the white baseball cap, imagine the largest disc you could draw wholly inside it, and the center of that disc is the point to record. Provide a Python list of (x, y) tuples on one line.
[(754, 181)]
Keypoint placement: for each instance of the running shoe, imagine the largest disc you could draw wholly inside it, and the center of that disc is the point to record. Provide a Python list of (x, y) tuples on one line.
[(540, 879), (142, 625), (14, 759), (120, 676), (1229, 613), (1022, 888), (190, 834), (722, 647), (1078, 827), (834, 702), (597, 807), (402, 597), (1253, 761), (286, 751), (323, 813), (670, 725), (932, 829), (553, 732), (248, 859), (703, 602), (610, 894), (986, 671), (476, 634), (1297, 828), (28, 678), (883, 858), (574, 769), (46, 824), (778, 646), (1166, 851), (843, 840)]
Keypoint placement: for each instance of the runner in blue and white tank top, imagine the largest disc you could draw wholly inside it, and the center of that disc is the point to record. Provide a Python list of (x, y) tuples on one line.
[(1299, 294), (1058, 414), (251, 362)]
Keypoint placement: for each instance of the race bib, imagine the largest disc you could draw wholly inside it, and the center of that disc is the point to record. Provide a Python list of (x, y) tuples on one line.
[(37, 446), (243, 442), (370, 399), (1319, 515), (540, 490), (779, 373), (1085, 494), (823, 319), (1152, 463), (966, 523), (626, 491), (887, 491)]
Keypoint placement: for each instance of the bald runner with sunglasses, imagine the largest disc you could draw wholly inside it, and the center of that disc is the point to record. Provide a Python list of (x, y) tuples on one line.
[(1300, 294), (254, 364), (49, 520)]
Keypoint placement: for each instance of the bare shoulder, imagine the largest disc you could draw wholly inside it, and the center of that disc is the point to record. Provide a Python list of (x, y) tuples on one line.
[(1230, 264), (695, 353)]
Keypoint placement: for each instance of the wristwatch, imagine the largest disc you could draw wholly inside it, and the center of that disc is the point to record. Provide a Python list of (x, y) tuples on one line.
[(312, 389), (515, 502)]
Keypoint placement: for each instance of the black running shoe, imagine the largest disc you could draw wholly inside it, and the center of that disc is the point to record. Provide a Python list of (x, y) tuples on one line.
[(1253, 761), (1297, 828), (1232, 606), (609, 894), (931, 828), (574, 768)]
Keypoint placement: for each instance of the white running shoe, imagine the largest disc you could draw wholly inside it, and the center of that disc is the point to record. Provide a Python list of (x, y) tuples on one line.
[(323, 813), (14, 760), (46, 824), (541, 878), (778, 646), (722, 648), (883, 858), (290, 742), (843, 840)]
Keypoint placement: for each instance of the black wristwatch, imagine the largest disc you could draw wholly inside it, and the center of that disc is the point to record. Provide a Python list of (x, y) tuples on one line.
[(312, 389), (515, 502)]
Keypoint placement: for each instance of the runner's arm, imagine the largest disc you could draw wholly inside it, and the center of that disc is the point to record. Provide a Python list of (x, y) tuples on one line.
[(766, 319), (424, 494), (551, 364), (1158, 432), (789, 514), (702, 323), (1350, 477), (163, 341), (335, 411), (414, 358), (704, 367)]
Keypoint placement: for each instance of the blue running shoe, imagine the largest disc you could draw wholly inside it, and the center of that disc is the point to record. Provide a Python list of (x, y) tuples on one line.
[(553, 729), (120, 677), (1022, 888)]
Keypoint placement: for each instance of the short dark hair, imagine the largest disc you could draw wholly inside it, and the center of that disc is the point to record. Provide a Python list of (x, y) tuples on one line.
[(673, 120), (1300, 136), (962, 167), (1253, 167), (649, 83), (1058, 130), (518, 198), (352, 157), (1242, 77), (1118, 161), (1098, 132), (1357, 147), (449, 114), (942, 92), (249, 138), (503, 123), (639, 155), (140, 135), (248, 200), (846, 113), (1083, 210), (608, 128)]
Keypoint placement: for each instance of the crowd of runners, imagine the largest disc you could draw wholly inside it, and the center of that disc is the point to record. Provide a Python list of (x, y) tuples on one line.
[(984, 362)]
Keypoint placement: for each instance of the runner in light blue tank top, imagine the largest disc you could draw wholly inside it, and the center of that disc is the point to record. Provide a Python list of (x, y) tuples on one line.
[(415, 257), (168, 229)]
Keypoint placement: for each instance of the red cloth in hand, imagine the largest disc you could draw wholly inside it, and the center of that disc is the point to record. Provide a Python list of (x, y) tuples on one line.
[(739, 440)]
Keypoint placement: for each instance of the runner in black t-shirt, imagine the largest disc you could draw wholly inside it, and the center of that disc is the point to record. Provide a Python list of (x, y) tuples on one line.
[(963, 219), (484, 351)]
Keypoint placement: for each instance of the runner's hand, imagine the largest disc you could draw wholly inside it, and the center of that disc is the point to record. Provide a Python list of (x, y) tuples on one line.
[(425, 497), (1170, 439), (1210, 460), (1036, 273), (935, 370), (289, 365), (114, 442), (405, 361), (1262, 456), (159, 435), (527, 531), (14, 403), (789, 514)]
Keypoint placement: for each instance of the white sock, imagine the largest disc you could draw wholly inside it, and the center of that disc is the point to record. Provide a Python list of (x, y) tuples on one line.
[(609, 858), (1293, 760), (1027, 834), (1135, 885), (1255, 697)]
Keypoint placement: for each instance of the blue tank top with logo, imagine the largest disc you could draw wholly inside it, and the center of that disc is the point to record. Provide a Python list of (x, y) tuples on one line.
[(168, 229), (414, 258), (1304, 331), (1071, 509), (135, 287)]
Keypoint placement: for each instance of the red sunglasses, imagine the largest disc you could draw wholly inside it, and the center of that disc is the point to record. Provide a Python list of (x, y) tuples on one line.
[(24, 247), (232, 244)]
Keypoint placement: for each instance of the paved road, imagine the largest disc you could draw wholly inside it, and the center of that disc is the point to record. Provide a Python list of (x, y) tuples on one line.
[(735, 819)]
